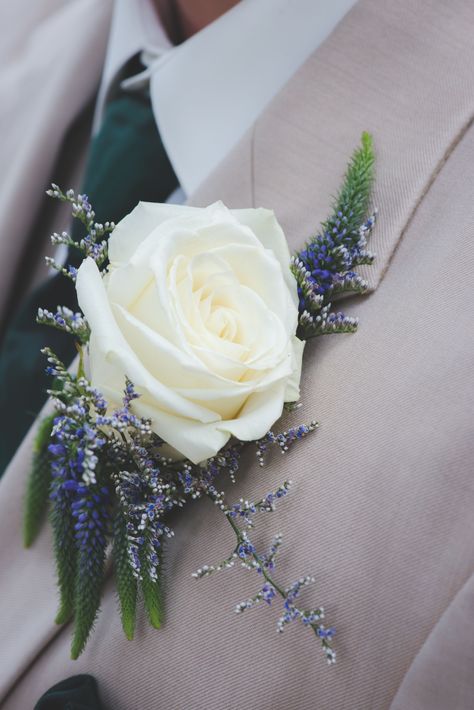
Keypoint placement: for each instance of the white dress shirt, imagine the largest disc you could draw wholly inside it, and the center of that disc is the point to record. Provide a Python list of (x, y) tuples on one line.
[(207, 91)]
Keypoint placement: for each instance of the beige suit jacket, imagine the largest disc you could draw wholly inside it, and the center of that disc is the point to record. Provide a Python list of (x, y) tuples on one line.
[(51, 57), (381, 510)]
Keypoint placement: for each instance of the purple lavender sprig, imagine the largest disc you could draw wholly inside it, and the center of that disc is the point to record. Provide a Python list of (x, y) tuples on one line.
[(86, 441), (81, 500), (325, 267)]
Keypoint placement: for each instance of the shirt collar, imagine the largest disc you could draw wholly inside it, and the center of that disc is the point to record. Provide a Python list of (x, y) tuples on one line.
[(209, 90), (135, 28)]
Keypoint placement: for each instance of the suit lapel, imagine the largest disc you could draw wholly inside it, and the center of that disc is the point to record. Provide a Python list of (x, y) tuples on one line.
[(377, 72)]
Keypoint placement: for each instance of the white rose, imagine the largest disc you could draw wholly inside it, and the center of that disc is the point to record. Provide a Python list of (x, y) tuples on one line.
[(199, 310)]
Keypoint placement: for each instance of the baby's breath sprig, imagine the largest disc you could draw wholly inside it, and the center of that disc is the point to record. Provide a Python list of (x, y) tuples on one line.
[(94, 244), (246, 553), (283, 440), (66, 320)]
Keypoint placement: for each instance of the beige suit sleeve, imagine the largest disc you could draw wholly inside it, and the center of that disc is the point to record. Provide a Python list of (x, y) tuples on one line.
[(51, 61)]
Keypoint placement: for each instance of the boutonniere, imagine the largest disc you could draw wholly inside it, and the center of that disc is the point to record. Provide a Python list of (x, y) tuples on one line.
[(190, 346)]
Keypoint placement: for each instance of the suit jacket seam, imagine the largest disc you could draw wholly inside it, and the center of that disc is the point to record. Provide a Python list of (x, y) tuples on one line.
[(452, 145)]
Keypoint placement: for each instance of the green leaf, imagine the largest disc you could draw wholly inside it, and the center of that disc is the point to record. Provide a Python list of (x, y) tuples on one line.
[(152, 598), (91, 555), (37, 490), (88, 593), (354, 196), (126, 582), (65, 553), (151, 592)]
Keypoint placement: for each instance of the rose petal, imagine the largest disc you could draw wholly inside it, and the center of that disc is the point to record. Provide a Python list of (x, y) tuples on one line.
[(133, 229), (199, 310), (112, 358), (257, 416), (268, 231), (292, 390)]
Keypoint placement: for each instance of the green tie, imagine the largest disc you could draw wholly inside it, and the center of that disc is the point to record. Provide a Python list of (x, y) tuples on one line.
[(76, 693), (127, 163)]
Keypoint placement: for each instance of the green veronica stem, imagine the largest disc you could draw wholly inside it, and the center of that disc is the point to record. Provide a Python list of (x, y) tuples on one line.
[(151, 591), (354, 195), (92, 519), (327, 264), (65, 553), (127, 587)]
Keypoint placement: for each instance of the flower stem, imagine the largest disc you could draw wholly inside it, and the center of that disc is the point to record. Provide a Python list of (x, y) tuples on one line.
[(288, 595), (241, 539), (80, 367), (255, 556)]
